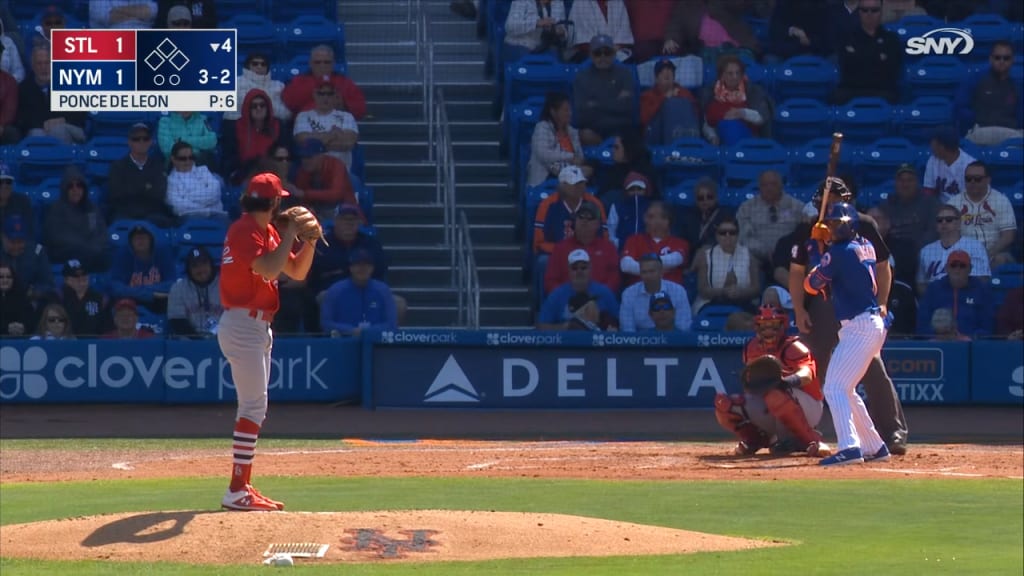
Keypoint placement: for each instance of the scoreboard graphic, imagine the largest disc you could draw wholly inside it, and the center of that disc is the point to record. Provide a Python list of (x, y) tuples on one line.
[(143, 70)]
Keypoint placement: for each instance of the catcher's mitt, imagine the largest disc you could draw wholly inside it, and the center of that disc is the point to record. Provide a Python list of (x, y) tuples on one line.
[(761, 375), (307, 227)]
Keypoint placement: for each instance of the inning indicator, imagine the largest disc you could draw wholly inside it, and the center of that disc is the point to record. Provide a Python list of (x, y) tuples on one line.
[(143, 70)]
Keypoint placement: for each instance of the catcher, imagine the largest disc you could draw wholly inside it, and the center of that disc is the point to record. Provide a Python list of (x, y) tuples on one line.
[(782, 400)]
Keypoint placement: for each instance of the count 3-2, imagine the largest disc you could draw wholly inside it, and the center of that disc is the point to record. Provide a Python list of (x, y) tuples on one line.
[(206, 76)]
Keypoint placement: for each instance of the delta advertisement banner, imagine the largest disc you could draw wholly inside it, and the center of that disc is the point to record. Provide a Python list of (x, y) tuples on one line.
[(997, 372), (170, 371), (551, 370)]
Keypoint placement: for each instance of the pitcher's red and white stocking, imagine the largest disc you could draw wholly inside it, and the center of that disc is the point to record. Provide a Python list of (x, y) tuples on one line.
[(243, 450)]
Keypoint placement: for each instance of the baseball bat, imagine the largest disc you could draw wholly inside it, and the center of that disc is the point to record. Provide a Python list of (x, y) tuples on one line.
[(833, 161)]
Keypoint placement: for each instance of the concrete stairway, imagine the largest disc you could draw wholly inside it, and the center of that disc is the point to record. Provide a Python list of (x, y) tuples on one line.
[(381, 52)]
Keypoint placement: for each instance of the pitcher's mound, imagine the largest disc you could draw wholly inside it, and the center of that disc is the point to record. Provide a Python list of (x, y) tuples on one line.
[(206, 537)]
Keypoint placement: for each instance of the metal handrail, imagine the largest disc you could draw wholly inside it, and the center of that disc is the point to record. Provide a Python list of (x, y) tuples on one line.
[(469, 277)]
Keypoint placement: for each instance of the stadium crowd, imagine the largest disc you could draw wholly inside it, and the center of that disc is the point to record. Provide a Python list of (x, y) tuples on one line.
[(130, 235)]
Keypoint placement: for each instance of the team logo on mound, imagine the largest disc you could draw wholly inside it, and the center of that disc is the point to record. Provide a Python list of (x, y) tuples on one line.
[(376, 542)]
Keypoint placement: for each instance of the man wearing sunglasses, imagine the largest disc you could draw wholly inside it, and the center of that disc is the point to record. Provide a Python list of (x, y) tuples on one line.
[(870, 58), (968, 297), (990, 102), (197, 13), (299, 94), (604, 95), (932, 261), (137, 186), (986, 214)]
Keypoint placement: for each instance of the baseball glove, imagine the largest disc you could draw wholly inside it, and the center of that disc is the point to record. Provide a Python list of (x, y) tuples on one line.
[(761, 375), (307, 226)]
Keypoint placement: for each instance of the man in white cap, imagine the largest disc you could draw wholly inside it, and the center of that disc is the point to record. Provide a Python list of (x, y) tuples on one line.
[(556, 214), (555, 313)]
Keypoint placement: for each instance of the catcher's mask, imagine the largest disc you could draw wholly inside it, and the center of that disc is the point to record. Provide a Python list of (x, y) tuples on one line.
[(770, 324), (839, 192)]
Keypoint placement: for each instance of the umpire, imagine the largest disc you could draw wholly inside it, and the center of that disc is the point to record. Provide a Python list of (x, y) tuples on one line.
[(819, 329)]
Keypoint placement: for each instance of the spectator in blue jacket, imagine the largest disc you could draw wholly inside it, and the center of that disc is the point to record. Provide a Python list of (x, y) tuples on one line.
[(28, 259), (988, 105), (556, 313), (359, 302), (968, 297), (331, 263), (143, 271)]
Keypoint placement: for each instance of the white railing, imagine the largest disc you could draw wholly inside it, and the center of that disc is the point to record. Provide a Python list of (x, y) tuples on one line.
[(467, 276), (445, 170)]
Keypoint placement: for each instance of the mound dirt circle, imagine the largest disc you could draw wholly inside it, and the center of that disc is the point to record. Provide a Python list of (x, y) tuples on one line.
[(208, 537)]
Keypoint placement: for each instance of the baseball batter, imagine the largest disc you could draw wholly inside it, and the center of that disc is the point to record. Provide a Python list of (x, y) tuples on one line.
[(848, 267), (255, 254), (779, 410), (816, 319)]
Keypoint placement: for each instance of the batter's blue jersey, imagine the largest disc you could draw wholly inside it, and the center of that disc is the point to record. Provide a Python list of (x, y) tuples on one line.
[(849, 267)]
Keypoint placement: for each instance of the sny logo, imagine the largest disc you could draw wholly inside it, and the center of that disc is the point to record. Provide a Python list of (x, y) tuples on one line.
[(950, 41)]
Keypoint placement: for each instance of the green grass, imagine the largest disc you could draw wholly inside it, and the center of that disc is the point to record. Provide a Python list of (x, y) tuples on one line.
[(837, 527), (156, 443)]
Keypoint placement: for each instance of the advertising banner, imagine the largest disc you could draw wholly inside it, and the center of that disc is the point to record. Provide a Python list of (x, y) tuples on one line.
[(997, 372), (929, 372), (173, 371)]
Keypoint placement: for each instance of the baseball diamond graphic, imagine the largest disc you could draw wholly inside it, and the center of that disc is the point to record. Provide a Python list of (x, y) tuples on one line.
[(373, 540)]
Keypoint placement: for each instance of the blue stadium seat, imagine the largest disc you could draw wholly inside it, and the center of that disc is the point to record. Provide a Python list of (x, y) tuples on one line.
[(44, 192), (878, 161), (536, 75), (986, 29), (1004, 165), (684, 64), (935, 76), (1016, 195), (971, 148), (602, 153), (809, 162), (358, 168), (281, 10), (687, 159), (1017, 37), (804, 77), (299, 64), (228, 9), (518, 128), (863, 120), (798, 120), (744, 162), (918, 120), (712, 317), (735, 196), (869, 196), (364, 195), (119, 123), (155, 322), (1006, 278), (208, 233), (256, 34), (120, 229), (309, 30), (229, 197), (681, 194), (100, 152), (37, 157), (803, 193)]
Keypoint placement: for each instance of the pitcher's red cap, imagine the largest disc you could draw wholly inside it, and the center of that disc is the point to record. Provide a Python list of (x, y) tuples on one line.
[(266, 185)]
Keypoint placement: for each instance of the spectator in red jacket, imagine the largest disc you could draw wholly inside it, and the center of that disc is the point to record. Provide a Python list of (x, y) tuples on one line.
[(648, 19), (604, 258), (322, 181), (298, 94), (668, 111), (656, 239), (734, 107), (9, 134)]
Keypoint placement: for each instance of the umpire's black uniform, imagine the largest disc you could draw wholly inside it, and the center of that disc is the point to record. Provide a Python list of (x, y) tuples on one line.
[(883, 404)]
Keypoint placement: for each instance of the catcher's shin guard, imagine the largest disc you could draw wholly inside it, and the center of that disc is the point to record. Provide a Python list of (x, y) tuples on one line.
[(788, 412), (732, 416)]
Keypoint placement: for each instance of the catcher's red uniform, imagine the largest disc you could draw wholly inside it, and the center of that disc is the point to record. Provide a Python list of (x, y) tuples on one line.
[(794, 355)]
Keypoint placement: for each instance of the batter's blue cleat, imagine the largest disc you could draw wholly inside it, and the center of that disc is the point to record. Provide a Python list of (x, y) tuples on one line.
[(881, 456), (848, 456)]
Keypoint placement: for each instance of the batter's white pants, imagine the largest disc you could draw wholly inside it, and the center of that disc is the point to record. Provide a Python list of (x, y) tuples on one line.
[(860, 339), (246, 343)]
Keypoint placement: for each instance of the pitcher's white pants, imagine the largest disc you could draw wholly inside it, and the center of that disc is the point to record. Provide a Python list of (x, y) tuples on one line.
[(246, 343), (860, 339)]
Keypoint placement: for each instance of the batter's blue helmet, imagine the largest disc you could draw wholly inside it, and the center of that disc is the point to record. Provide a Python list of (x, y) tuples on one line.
[(846, 215)]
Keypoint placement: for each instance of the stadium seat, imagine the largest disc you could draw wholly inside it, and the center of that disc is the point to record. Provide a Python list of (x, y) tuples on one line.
[(1004, 165), (44, 192), (870, 196), (536, 75), (299, 64), (149, 319), (863, 120), (120, 229), (918, 120), (602, 153), (100, 152), (281, 10), (1016, 195), (687, 159), (712, 317), (229, 197), (208, 233), (735, 196), (986, 30), (119, 123), (518, 127), (804, 77), (228, 9), (809, 162), (798, 120), (681, 194), (358, 168), (935, 76), (744, 162), (256, 34), (37, 157), (364, 195), (803, 193), (309, 30), (1006, 278), (878, 161)]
